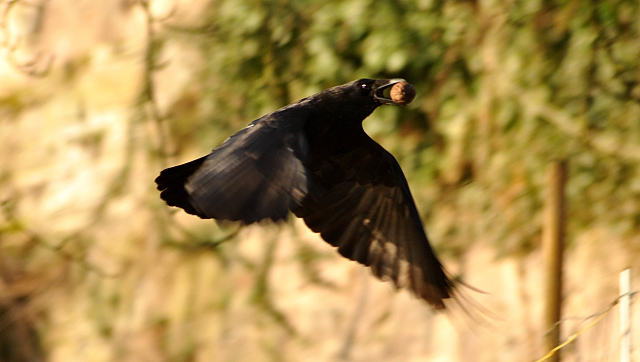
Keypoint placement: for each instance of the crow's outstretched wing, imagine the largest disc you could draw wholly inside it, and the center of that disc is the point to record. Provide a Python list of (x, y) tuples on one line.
[(257, 173), (362, 205)]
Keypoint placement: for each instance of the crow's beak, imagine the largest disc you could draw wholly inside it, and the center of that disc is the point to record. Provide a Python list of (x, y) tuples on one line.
[(383, 87)]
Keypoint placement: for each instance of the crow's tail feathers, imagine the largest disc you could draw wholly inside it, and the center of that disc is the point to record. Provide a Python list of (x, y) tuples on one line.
[(171, 184)]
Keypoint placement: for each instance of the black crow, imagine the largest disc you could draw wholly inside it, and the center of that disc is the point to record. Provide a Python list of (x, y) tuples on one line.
[(313, 157)]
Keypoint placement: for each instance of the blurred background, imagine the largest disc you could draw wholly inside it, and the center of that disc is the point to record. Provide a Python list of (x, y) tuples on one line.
[(96, 97)]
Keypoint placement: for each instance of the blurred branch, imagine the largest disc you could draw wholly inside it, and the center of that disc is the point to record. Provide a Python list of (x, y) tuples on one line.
[(14, 225), (262, 293), (356, 316), (145, 108), (39, 65), (146, 100), (195, 244), (78, 259), (4, 15)]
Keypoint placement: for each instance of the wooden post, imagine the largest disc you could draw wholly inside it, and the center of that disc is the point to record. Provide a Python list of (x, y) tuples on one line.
[(625, 318), (553, 234)]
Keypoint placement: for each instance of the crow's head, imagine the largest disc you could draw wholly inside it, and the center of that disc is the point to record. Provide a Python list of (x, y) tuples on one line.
[(356, 100), (376, 91)]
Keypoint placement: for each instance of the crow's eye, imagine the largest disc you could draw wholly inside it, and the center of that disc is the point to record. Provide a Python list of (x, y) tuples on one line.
[(365, 86)]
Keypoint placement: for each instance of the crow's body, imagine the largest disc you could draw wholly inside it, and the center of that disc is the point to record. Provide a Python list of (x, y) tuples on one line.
[(313, 158)]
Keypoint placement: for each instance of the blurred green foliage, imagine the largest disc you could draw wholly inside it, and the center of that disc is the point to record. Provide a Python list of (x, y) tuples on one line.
[(503, 89)]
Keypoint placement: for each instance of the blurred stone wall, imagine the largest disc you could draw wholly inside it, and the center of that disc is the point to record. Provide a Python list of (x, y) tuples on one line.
[(94, 267)]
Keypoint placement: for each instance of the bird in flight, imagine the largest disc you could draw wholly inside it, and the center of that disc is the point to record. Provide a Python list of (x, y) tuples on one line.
[(314, 159)]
